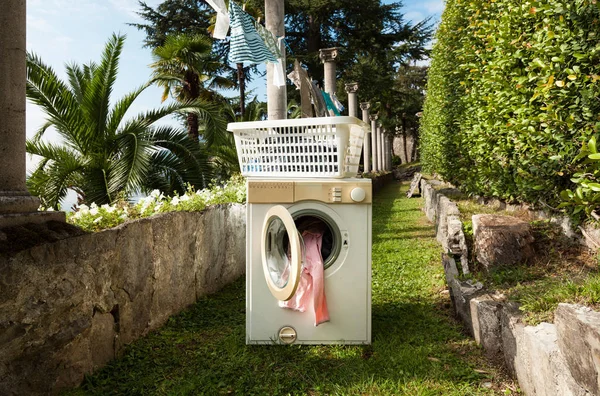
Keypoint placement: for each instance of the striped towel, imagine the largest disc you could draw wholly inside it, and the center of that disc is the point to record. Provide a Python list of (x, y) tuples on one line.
[(246, 45)]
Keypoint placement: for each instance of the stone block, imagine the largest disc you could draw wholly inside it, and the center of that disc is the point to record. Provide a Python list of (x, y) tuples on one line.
[(516, 354), (462, 294), (431, 199), (485, 314), (132, 279), (221, 247), (174, 253), (501, 240), (456, 241), (549, 374), (578, 332)]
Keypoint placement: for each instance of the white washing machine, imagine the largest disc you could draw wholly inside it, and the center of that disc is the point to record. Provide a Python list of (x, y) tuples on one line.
[(274, 245)]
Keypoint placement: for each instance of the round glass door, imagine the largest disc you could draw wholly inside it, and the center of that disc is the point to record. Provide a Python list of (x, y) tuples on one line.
[(282, 264)]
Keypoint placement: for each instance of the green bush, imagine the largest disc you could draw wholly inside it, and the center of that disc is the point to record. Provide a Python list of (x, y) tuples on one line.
[(96, 218), (513, 96)]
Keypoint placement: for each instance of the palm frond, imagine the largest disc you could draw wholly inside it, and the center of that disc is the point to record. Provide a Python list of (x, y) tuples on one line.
[(55, 174), (117, 113), (46, 90), (130, 165), (97, 96)]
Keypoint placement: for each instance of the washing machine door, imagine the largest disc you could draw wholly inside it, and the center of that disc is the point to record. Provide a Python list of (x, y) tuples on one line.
[(281, 251)]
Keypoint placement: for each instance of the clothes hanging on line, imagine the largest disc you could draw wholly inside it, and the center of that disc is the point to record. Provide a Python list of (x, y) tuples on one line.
[(338, 105), (271, 42), (300, 79), (222, 24), (333, 111), (318, 100), (246, 45)]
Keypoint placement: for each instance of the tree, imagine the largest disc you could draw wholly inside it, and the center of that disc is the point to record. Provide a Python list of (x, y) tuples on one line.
[(185, 69), (193, 18), (103, 156)]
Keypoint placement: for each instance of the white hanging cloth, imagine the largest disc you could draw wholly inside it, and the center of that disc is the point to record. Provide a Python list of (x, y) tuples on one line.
[(222, 24)]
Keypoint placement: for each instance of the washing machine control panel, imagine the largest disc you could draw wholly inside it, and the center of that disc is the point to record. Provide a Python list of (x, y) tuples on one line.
[(265, 191)]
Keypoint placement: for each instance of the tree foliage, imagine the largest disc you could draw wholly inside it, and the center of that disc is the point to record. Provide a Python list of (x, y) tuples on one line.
[(184, 68), (512, 96), (103, 156)]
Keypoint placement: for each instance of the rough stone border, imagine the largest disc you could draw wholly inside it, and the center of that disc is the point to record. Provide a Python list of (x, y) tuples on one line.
[(69, 307), (548, 359)]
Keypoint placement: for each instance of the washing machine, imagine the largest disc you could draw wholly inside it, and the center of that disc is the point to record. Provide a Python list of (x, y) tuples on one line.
[(276, 212)]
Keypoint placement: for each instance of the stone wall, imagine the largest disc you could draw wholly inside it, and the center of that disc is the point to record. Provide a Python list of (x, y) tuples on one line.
[(398, 148), (69, 307), (558, 358)]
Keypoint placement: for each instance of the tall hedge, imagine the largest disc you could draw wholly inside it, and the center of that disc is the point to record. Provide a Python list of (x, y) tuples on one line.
[(513, 93)]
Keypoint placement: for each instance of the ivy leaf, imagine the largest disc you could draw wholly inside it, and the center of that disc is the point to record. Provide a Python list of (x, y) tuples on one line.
[(592, 145)]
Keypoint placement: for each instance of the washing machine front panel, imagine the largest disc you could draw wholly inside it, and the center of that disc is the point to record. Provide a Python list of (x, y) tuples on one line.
[(347, 283)]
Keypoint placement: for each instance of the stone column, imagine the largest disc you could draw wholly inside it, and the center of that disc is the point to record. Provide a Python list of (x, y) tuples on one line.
[(388, 150), (379, 148), (364, 106), (351, 89), (17, 206), (276, 96), (374, 142), (327, 56)]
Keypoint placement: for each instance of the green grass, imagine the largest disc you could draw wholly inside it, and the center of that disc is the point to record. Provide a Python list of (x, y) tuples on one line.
[(418, 349)]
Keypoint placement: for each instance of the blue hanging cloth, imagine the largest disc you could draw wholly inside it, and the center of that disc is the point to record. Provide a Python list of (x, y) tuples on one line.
[(246, 45), (330, 105)]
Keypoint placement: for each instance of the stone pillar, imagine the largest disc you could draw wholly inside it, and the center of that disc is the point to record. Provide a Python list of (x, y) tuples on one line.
[(17, 206), (351, 89), (374, 142), (276, 96), (379, 148), (388, 152), (364, 106), (327, 56)]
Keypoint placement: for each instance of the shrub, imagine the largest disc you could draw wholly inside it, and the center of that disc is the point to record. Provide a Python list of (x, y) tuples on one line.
[(512, 96), (95, 218)]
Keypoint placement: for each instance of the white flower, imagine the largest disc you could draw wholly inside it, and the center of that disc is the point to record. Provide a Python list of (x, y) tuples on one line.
[(155, 193), (98, 220), (94, 210), (157, 207), (108, 208), (93, 205), (185, 197), (50, 209), (175, 201), (83, 208)]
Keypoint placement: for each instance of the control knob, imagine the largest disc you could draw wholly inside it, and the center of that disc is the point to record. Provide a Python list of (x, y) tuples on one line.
[(358, 194)]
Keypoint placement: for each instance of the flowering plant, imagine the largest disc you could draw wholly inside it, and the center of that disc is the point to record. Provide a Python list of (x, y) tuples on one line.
[(95, 218)]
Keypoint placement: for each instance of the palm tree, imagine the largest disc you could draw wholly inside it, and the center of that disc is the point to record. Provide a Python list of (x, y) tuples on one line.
[(186, 70), (103, 156)]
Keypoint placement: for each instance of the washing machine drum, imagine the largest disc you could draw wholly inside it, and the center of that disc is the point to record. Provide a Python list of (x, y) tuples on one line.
[(282, 247)]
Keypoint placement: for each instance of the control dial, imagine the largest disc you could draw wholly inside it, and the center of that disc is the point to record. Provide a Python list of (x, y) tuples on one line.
[(358, 194)]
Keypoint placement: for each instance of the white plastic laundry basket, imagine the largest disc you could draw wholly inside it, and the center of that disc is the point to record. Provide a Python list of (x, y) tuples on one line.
[(305, 147)]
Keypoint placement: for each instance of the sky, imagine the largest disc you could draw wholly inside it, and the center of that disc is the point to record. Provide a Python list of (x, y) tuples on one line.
[(67, 31)]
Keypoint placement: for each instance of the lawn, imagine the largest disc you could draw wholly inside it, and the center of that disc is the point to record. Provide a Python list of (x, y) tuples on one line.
[(418, 348)]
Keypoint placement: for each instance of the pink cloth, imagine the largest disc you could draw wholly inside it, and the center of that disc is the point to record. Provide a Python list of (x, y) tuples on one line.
[(312, 281)]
